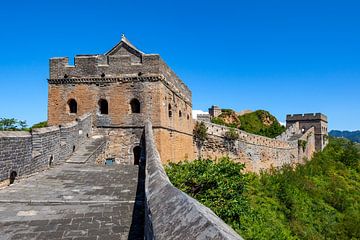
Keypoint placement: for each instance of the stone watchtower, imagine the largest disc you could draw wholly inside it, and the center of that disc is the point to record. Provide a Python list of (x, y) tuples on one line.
[(122, 89), (214, 111), (306, 121)]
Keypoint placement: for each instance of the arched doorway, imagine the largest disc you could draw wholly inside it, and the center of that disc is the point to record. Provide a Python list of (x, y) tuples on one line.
[(137, 155), (104, 107), (135, 106), (13, 175), (72, 105)]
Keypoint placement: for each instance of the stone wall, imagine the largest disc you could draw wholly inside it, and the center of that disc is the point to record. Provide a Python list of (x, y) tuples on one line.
[(117, 77), (318, 121), (26, 153), (257, 152), (172, 214)]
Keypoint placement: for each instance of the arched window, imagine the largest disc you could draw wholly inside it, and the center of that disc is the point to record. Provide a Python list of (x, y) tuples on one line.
[(103, 105), (72, 106), (135, 106), (180, 114), (170, 112)]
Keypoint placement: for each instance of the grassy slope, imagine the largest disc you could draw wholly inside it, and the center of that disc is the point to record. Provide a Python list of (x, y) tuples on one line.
[(259, 122), (318, 200)]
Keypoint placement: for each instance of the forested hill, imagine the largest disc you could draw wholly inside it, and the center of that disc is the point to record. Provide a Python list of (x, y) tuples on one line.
[(353, 136), (260, 122)]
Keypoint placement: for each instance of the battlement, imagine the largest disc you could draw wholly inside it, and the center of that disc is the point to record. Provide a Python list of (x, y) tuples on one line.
[(306, 117), (308, 120), (122, 61)]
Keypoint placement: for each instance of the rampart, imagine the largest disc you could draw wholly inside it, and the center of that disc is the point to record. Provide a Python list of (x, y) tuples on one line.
[(257, 152), (306, 116), (24, 153), (105, 69), (172, 214)]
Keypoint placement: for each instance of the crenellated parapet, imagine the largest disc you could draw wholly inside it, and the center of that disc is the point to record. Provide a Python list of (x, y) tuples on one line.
[(124, 61), (306, 117)]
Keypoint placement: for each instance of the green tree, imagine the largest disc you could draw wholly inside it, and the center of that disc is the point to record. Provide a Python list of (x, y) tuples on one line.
[(317, 200), (12, 124), (200, 135)]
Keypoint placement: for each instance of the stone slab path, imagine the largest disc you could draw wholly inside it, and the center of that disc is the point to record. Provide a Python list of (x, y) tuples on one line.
[(75, 201)]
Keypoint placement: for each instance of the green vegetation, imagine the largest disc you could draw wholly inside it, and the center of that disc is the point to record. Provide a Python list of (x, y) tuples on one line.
[(12, 124), (200, 132), (259, 122), (227, 118), (302, 143), (353, 136), (231, 134), (318, 200), (40, 125), (262, 123)]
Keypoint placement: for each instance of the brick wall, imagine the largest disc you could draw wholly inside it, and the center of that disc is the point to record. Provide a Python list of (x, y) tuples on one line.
[(26, 153), (169, 212), (258, 152)]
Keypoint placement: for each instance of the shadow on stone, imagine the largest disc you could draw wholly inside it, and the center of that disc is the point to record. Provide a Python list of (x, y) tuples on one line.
[(138, 216)]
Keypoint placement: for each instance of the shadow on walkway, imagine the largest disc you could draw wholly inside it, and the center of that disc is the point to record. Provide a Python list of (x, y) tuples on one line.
[(138, 215)]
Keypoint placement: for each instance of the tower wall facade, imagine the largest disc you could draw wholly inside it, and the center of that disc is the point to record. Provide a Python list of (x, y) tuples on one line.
[(122, 89), (306, 121)]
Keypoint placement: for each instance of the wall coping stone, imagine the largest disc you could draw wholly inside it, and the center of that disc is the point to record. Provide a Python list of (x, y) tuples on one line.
[(15, 134), (171, 213), (45, 130)]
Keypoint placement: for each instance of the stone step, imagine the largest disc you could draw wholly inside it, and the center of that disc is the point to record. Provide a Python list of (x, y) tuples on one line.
[(88, 150)]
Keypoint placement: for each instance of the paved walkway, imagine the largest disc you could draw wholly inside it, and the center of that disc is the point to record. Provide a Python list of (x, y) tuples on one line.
[(75, 201)]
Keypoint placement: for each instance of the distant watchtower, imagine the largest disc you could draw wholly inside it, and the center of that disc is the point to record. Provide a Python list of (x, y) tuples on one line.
[(214, 111), (318, 121)]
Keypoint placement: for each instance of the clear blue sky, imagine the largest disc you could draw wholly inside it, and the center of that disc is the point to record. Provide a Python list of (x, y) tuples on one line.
[(282, 56)]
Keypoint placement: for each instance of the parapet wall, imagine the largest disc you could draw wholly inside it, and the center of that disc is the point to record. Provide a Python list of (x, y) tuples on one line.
[(172, 214), (249, 138), (103, 69), (257, 152), (290, 132), (307, 117), (26, 153)]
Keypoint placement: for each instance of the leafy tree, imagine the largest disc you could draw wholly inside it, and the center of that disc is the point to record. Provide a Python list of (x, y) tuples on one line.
[(231, 134), (12, 124), (200, 135), (317, 200)]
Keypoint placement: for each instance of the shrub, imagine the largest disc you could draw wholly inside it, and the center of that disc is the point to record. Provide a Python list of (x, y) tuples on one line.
[(317, 200)]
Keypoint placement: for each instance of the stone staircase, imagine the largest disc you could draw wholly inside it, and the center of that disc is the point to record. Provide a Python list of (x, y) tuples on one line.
[(89, 150)]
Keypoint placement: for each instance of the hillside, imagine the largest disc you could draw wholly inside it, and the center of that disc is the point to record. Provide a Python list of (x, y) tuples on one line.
[(318, 200), (353, 136), (260, 122)]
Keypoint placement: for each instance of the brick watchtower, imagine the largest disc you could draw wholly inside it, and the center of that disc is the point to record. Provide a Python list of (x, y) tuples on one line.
[(306, 121), (122, 89)]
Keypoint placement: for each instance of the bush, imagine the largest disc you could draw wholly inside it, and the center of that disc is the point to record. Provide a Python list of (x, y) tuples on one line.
[(40, 125), (200, 132), (318, 200), (232, 134)]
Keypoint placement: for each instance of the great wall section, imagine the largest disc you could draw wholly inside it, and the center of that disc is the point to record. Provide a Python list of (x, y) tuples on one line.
[(97, 171)]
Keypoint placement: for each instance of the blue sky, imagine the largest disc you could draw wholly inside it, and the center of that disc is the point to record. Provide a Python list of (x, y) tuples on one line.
[(282, 56)]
